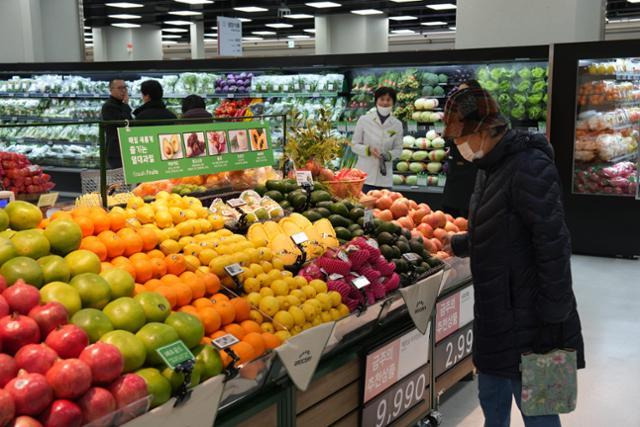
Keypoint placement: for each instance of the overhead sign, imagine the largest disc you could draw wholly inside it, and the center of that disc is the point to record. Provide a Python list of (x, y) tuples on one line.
[(152, 153), (229, 36)]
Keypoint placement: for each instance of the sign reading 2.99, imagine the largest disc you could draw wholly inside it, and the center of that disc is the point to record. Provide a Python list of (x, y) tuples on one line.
[(151, 153)]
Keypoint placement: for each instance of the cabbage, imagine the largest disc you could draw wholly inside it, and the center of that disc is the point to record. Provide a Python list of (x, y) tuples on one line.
[(519, 98), (523, 86), (535, 112), (518, 111), (483, 73), (538, 72), (504, 85), (490, 85), (524, 73), (497, 73), (539, 86), (438, 91), (535, 98)]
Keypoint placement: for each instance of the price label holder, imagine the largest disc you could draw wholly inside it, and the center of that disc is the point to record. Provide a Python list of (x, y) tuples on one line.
[(412, 126), (301, 354), (420, 299), (46, 201), (360, 282), (224, 343), (298, 239), (304, 178), (6, 197), (367, 223), (384, 311), (178, 357), (233, 271)]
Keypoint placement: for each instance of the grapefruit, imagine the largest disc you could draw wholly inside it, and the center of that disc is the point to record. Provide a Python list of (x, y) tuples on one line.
[(158, 386), (188, 327), (4, 220), (54, 269), (120, 281), (130, 346), (176, 379), (63, 293), (125, 313), (23, 268), (210, 359), (23, 215), (155, 335), (64, 235), (94, 290), (156, 307), (83, 261), (7, 250), (31, 243), (94, 322)]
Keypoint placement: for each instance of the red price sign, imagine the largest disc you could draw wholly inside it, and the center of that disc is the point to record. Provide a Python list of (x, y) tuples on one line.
[(454, 312)]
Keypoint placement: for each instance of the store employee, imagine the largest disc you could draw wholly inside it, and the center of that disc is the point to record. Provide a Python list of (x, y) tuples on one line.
[(377, 140), (115, 108)]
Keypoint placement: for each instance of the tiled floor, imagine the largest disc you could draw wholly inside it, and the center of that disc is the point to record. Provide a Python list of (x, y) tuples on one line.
[(608, 294)]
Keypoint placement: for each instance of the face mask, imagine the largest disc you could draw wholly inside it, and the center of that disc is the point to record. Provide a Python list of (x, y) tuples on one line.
[(384, 111), (468, 154)]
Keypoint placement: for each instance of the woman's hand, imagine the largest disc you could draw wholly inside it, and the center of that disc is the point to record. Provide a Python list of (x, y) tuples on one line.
[(375, 153)]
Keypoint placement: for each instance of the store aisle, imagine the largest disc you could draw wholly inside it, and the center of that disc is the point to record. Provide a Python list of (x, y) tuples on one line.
[(608, 293)]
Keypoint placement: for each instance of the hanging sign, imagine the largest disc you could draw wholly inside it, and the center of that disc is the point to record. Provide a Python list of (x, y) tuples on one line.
[(152, 153), (229, 36), (421, 298)]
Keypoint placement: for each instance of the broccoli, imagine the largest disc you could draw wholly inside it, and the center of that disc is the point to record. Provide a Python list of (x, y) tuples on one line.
[(524, 73), (518, 111), (538, 73)]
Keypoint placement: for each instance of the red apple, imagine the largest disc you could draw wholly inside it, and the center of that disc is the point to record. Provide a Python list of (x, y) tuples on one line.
[(62, 413), (25, 421), (7, 408), (31, 393), (69, 378), (68, 341), (105, 360), (3, 283), (96, 403), (49, 316), (4, 307), (21, 297), (36, 358), (8, 369), (16, 331), (128, 389)]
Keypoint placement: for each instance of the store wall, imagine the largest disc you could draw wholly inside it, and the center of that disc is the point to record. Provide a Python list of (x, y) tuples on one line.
[(351, 34), (17, 45), (112, 44), (61, 30)]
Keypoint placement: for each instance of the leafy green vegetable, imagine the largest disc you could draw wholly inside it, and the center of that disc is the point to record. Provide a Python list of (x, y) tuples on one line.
[(535, 112), (535, 98), (483, 74), (539, 86), (519, 98), (438, 91), (524, 73), (504, 85), (518, 111), (490, 85), (497, 73), (523, 86), (538, 72)]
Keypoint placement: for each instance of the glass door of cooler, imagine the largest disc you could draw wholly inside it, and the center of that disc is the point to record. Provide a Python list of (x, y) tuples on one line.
[(605, 156)]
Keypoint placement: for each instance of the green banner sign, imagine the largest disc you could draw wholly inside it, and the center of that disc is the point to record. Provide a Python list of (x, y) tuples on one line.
[(151, 153)]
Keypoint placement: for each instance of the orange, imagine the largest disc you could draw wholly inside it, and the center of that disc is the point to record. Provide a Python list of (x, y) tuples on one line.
[(159, 267), (149, 238), (242, 308), (236, 330), (183, 293), (195, 283), (218, 334), (104, 266), (169, 293), (156, 253), (144, 270), (132, 242), (205, 341), (101, 221), (86, 225), (244, 351), (271, 341), (153, 283), (211, 282), (81, 211), (43, 224), (256, 341), (139, 256), (170, 279), (60, 214), (120, 259), (113, 243), (210, 319), (251, 326), (202, 302), (175, 264), (190, 309), (226, 310), (219, 297), (117, 220), (226, 359), (95, 245), (125, 265), (138, 289)]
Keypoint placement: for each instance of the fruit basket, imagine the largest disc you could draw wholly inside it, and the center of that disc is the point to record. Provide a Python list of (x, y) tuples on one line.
[(345, 189)]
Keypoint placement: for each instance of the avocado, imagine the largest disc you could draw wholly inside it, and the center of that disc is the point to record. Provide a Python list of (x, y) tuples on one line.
[(324, 212), (433, 261), (386, 251), (348, 204), (416, 246), (290, 185), (339, 208), (326, 205), (406, 233), (385, 227), (320, 186), (356, 213), (274, 195), (339, 221), (403, 247), (396, 252), (318, 196), (385, 238), (343, 233), (275, 185), (298, 202), (401, 265), (354, 227), (360, 221), (312, 215), (285, 204), (357, 233), (261, 189)]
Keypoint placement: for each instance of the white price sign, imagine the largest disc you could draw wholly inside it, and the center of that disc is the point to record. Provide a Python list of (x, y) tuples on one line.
[(229, 36), (299, 238), (304, 178), (360, 282)]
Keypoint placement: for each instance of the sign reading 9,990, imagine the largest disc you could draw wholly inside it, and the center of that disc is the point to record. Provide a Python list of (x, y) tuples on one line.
[(151, 153)]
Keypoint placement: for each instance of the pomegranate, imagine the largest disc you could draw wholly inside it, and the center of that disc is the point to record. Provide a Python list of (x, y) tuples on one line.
[(49, 316), (68, 341), (4, 307), (96, 403), (36, 358), (7, 408), (21, 297), (25, 421), (69, 378), (8, 369), (62, 413), (128, 389), (31, 393), (105, 361), (16, 331)]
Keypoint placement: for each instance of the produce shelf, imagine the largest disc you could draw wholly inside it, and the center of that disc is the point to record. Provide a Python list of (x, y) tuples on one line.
[(416, 189)]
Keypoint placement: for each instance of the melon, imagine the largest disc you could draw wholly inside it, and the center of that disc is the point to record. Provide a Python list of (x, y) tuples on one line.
[(408, 141), (434, 167), (416, 167), (437, 143), (419, 156), (398, 179), (402, 167), (412, 180), (406, 155), (437, 155), (432, 134)]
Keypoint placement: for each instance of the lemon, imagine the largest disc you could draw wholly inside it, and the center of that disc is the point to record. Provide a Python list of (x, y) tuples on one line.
[(315, 303), (286, 273), (282, 300), (326, 317), (263, 279), (266, 292), (135, 202), (192, 262), (306, 326), (300, 282), (335, 297), (283, 335), (280, 287), (265, 254), (172, 233), (319, 285), (309, 311), (163, 219), (251, 285), (325, 300), (145, 214), (266, 266), (206, 255), (298, 315), (269, 305), (197, 228), (277, 264), (296, 330), (267, 327), (169, 247), (205, 225), (191, 249), (297, 293), (335, 314), (256, 269), (253, 298), (176, 215), (293, 301), (162, 195), (190, 214), (185, 228), (256, 316), (217, 266), (317, 321), (343, 310), (309, 291)]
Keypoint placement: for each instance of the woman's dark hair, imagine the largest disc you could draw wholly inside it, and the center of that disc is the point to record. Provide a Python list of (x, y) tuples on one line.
[(384, 90), (191, 102), (151, 88)]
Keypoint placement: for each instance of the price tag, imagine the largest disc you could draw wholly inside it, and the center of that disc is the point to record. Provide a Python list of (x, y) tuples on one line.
[(420, 300), (175, 353), (225, 341), (453, 349), (330, 87), (442, 180), (46, 200), (315, 94), (411, 257), (304, 177), (236, 203), (296, 86), (336, 276), (33, 168), (233, 269), (368, 216), (360, 282), (343, 256), (542, 127), (412, 126), (231, 95), (285, 88), (299, 238)]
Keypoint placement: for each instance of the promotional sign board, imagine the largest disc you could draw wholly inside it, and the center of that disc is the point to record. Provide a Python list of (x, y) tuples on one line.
[(229, 36)]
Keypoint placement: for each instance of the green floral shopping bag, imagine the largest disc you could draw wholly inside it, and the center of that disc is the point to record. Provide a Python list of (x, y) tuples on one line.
[(549, 382)]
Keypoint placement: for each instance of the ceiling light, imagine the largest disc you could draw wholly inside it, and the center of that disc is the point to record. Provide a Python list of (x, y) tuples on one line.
[(403, 18), (367, 12), (404, 1), (87, 28), (195, 1), (403, 32), (300, 36), (177, 22), (239, 19), (88, 35), (298, 16), (124, 5), (443, 6), (433, 23), (452, 28), (171, 36), (310, 30), (185, 13), (210, 40), (125, 25), (279, 25), (250, 9), (124, 16), (211, 34), (88, 45), (252, 39), (169, 42), (633, 1), (175, 30), (323, 4), (264, 33), (214, 28)]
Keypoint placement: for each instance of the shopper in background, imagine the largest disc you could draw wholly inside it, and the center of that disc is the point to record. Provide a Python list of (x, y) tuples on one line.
[(193, 106), (153, 107), (461, 178), (520, 251), (115, 108), (377, 140)]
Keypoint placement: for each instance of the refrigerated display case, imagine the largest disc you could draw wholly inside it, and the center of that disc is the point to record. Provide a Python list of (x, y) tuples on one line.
[(597, 152)]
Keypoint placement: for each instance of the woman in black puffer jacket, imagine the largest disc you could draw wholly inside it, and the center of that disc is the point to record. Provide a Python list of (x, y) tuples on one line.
[(519, 248)]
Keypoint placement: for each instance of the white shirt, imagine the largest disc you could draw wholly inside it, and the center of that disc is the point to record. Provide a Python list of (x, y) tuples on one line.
[(387, 138)]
